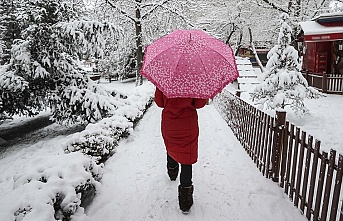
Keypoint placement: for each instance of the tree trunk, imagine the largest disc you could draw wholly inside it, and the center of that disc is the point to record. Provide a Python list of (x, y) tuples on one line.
[(239, 44), (139, 55), (254, 51), (230, 35), (297, 8)]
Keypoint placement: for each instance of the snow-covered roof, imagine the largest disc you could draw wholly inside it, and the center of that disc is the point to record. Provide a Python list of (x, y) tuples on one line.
[(333, 16), (315, 32), (312, 28)]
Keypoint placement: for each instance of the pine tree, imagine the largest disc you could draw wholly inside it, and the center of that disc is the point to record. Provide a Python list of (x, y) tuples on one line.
[(284, 85), (9, 30), (44, 71)]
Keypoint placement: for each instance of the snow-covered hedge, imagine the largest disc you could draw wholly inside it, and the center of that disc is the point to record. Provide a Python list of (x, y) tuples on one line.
[(100, 139), (51, 189)]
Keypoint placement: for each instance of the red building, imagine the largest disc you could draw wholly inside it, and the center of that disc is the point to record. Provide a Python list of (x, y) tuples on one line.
[(322, 42)]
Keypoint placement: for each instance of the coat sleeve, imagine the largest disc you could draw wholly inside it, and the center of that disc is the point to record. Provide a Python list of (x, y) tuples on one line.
[(159, 98), (199, 103)]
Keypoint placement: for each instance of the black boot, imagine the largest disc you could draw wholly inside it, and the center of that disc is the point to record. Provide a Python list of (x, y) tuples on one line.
[(185, 198), (173, 172)]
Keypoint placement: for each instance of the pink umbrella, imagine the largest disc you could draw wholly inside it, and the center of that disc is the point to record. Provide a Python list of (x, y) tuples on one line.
[(189, 64)]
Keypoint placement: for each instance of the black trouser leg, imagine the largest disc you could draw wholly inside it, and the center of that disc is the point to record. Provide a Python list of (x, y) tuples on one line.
[(186, 171), (171, 163), (186, 175)]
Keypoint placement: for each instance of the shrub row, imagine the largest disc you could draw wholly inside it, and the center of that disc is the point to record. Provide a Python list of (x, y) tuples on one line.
[(60, 188)]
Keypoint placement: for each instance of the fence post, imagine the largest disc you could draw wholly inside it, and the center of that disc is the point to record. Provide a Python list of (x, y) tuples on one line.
[(238, 93), (305, 75), (280, 121), (325, 82)]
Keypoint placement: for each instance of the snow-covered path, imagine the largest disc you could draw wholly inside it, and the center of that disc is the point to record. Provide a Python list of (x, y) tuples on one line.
[(227, 185)]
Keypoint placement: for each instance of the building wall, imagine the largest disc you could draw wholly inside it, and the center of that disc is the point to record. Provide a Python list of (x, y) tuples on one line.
[(309, 57), (317, 57)]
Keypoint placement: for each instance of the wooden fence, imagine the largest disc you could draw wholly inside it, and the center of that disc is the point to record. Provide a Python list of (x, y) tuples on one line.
[(327, 83), (310, 177)]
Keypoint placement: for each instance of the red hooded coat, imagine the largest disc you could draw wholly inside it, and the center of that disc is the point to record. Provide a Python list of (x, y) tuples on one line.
[(179, 126)]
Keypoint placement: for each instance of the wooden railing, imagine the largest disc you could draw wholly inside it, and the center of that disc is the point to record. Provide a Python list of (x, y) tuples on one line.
[(327, 83), (287, 155)]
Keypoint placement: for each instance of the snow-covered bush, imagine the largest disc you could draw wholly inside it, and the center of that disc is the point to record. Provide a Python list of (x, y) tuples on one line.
[(52, 189), (284, 84), (85, 105), (100, 139), (137, 103)]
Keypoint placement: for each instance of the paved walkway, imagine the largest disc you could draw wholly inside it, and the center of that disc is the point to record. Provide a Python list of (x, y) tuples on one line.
[(228, 186)]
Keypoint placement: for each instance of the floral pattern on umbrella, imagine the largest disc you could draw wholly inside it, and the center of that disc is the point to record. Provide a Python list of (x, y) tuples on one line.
[(189, 64)]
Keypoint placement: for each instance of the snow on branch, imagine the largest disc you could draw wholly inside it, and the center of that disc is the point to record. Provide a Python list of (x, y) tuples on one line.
[(154, 8), (11, 82), (120, 10), (14, 94), (179, 15), (272, 5), (89, 35)]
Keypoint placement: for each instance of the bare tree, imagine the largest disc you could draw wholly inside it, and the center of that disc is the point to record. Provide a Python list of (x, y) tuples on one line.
[(298, 10), (152, 19)]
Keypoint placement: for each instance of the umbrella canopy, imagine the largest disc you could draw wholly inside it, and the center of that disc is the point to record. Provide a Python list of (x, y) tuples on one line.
[(189, 64)]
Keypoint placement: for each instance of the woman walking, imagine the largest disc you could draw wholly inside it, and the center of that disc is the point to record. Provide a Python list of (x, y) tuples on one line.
[(180, 133), (187, 67)]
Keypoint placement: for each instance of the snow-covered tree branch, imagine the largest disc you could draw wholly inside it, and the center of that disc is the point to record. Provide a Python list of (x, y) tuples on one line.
[(150, 15), (44, 66)]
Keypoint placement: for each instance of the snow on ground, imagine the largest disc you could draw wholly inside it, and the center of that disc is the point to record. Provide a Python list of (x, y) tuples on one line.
[(227, 184), (8, 123), (325, 122), (37, 171), (12, 162)]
